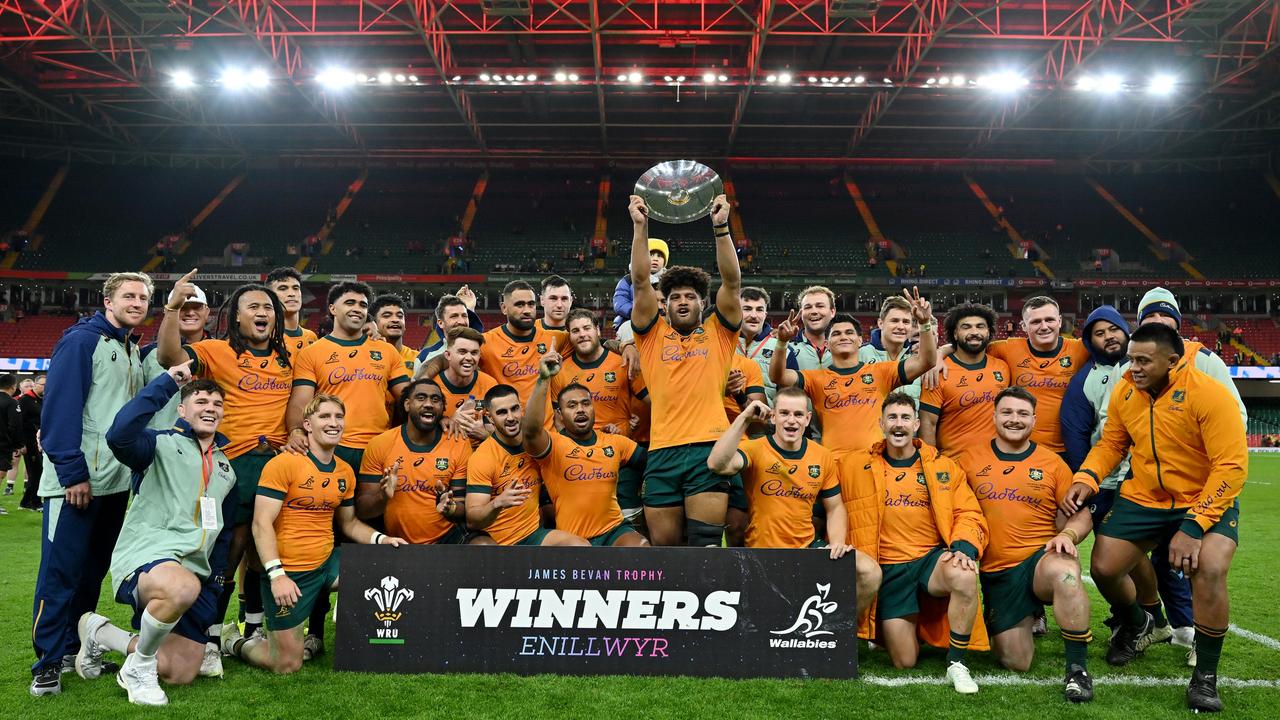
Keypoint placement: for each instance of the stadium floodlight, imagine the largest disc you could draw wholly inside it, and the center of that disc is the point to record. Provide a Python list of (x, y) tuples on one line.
[(931, 81), (413, 78), (668, 78), (622, 77), (708, 78), (635, 77), (531, 77), (1110, 84), (484, 77), (679, 78), (510, 78), (561, 76), (813, 79), (723, 78), (1087, 83), (784, 78), (888, 81), (573, 77), (520, 78), (944, 80), (233, 79), (771, 79), (361, 77), (182, 79), (860, 79), (335, 78), (1162, 85), (456, 78), (384, 77), (957, 80), (1004, 82), (258, 78), (401, 77), (846, 80)]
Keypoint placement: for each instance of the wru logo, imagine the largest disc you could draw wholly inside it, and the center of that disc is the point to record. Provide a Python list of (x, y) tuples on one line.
[(814, 609), (388, 599)]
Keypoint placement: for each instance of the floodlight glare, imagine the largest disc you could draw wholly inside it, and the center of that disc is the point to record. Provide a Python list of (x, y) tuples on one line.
[(258, 78), (384, 78), (1110, 84), (233, 79), (573, 77), (708, 78), (1162, 85), (634, 77), (784, 78), (182, 79)]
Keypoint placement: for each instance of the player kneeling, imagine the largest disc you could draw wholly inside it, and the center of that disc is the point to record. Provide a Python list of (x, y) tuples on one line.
[(172, 549), (298, 497), (1028, 563), (783, 475), (912, 508), (580, 466)]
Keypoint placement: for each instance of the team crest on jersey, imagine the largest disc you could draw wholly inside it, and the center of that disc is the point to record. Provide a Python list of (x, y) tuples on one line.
[(308, 484), (342, 485), (999, 376), (245, 363), (868, 378), (542, 348), (944, 477), (574, 453), (920, 479), (375, 354), (442, 463), (1064, 362), (1036, 474), (815, 471), (608, 451), (281, 362), (610, 377), (333, 358), (1179, 395)]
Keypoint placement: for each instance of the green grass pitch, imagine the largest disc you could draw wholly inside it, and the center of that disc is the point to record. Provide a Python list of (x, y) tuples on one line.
[(1151, 687)]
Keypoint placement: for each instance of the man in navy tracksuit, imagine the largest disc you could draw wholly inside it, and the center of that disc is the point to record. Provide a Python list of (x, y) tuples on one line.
[(96, 368)]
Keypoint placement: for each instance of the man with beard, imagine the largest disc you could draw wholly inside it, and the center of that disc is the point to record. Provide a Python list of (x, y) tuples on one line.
[(556, 301), (503, 481), (1042, 362), (848, 394), (956, 415), (462, 384), (416, 474), (1084, 413), (891, 341), (95, 369), (784, 475), (756, 343), (173, 545), (31, 404), (387, 314), (913, 512), (252, 366), (1031, 558), (580, 466), (192, 319), (615, 396), (685, 361), (816, 307), (286, 283), (451, 311), (362, 372), (1189, 460)]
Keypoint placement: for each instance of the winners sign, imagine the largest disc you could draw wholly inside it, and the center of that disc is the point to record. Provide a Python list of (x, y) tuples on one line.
[(602, 611)]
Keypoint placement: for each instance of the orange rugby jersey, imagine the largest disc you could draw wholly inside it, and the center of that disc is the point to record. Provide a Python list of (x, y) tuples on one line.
[(965, 403), (582, 480), (410, 358), (455, 395), (847, 401), (411, 512), (1019, 495), (909, 530), (295, 340), (256, 386), (358, 371), (513, 360), (782, 487), (614, 395), (493, 468), (1046, 375), (755, 383), (686, 376), (311, 491)]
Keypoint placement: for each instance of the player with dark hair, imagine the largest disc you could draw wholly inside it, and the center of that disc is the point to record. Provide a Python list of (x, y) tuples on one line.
[(503, 480), (387, 314), (451, 311), (1031, 558), (685, 362), (556, 301), (956, 413), (580, 465), (1189, 459), (892, 340), (173, 545), (913, 512), (463, 384), (815, 307), (286, 283), (755, 342)]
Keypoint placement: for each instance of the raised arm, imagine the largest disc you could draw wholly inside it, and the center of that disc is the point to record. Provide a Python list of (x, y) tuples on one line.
[(644, 308), (779, 374), (724, 458), (927, 355), (169, 340), (728, 304), (533, 429), (128, 437)]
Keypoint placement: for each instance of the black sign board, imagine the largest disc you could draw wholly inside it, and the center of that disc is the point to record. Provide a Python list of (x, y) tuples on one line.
[(597, 611)]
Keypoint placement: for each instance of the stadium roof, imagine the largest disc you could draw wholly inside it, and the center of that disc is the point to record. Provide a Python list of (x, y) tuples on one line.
[(1100, 81)]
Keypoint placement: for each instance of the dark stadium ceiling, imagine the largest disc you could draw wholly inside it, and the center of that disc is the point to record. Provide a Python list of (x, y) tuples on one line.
[(867, 79)]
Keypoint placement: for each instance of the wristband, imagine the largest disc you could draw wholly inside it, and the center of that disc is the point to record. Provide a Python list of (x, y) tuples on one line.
[(1075, 537), (376, 538), (927, 327), (268, 564), (297, 430), (721, 225), (723, 234), (275, 573)]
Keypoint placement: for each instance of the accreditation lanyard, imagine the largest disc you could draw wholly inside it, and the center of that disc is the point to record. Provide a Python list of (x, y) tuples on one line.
[(752, 355)]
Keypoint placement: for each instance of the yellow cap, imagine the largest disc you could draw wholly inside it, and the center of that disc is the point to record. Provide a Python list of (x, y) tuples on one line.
[(660, 246)]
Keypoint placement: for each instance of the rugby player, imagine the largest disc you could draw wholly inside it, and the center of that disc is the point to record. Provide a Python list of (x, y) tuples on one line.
[(387, 313), (816, 306), (451, 311), (463, 383), (956, 413), (556, 301), (286, 283), (755, 342), (893, 337)]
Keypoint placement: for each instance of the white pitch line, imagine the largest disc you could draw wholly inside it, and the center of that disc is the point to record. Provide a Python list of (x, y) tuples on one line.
[(1234, 628), (1011, 680)]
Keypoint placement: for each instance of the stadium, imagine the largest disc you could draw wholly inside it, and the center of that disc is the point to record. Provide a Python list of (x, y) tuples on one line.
[(989, 152)]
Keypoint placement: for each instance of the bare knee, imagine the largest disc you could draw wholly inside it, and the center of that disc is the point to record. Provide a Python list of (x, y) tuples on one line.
[(1015, 661), (287, 665), (868, 573), (904, 658), (961, 582), (1063, 571), (186, 592)]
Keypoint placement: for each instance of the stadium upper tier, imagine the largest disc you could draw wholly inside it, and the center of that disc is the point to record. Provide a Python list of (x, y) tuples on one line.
[(400, 220)]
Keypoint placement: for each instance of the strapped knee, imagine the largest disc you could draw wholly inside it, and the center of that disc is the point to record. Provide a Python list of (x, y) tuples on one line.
[(700, 534)]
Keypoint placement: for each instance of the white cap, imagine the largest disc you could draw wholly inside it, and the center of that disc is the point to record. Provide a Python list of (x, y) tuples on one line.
[(198, 298)]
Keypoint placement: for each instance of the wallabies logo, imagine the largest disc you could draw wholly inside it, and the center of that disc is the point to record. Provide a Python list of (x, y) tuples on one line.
[(608, 451), (610, 377), (342, 485), (1064, 362), (375, 355), (868, 378), (1179, 395), (1036, 474), (542, 348), (815, 471), (944, 477), (920, 479), (999, 376), (442, 463)]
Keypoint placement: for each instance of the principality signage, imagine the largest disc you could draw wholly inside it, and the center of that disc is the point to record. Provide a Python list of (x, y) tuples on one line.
[(603, 611)]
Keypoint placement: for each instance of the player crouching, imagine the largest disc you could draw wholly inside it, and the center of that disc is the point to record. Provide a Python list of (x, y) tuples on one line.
[(783, 474), (172, 549), (912, 510), (298, 496), (1028, 562)]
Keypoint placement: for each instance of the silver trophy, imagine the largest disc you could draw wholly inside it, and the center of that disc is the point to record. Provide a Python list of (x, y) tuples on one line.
[(679, 191)]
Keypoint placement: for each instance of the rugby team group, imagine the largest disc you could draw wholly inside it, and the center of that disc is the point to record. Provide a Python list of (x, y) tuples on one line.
[(959, 478)]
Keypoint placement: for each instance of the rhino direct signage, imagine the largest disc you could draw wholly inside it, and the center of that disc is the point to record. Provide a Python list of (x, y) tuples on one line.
[(656, 611)]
